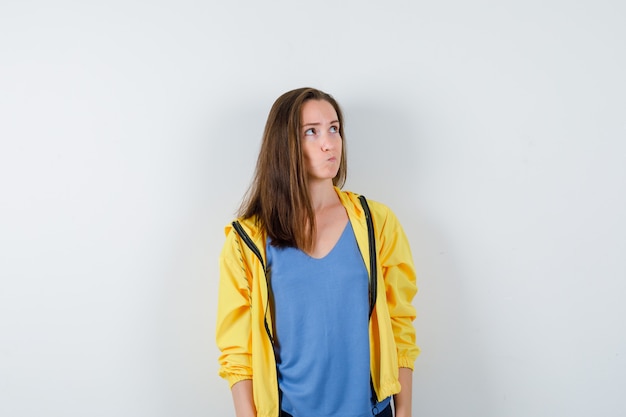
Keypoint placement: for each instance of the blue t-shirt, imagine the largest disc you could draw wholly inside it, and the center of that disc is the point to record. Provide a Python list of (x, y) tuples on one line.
[(321, 316)]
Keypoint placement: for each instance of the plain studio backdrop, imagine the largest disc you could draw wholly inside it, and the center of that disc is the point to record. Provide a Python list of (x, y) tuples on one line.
[(129, 131)]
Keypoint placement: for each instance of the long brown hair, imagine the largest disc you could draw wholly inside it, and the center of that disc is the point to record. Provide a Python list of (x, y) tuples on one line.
[(279, 194)]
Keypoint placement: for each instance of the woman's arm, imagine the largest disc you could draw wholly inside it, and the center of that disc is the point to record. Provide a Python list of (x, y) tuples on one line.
[(400, 285), (243, 399), (233, 332), (403, 400)]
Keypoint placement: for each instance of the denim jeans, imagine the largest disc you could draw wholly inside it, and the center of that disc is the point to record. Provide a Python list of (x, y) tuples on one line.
[(384, 413)]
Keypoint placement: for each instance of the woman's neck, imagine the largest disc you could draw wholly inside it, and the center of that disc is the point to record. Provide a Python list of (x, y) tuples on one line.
[(322, 195)]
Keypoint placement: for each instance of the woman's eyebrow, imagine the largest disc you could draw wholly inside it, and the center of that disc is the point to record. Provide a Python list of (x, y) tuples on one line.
[(319, 123)]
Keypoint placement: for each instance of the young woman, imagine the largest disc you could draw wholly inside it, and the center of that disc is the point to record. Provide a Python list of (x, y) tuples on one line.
[(307, 325)]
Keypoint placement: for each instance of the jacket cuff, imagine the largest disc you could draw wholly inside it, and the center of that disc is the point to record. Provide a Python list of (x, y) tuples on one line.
[(234, 378), (406, 362)]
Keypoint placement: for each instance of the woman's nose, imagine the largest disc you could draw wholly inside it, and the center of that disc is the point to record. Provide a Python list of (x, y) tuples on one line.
[(328, 142)]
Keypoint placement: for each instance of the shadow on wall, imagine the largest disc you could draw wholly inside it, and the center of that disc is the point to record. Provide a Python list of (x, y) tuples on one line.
[(387, 162)]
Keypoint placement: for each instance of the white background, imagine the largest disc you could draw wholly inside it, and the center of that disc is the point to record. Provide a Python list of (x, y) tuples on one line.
[(496, 130)]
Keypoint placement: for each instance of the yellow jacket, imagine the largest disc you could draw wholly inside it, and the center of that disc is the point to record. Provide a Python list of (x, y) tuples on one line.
[(244, 322)]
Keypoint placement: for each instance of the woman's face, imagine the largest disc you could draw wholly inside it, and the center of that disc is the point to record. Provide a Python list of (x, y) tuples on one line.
[(321, 140)]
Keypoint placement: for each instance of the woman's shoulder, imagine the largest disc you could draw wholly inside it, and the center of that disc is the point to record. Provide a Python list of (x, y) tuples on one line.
[(385, 220), (350, 198), (250, 225)]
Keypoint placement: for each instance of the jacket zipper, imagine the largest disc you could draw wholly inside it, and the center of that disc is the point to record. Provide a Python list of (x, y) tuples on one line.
[(372, 250), (251, 245), (373, 282)]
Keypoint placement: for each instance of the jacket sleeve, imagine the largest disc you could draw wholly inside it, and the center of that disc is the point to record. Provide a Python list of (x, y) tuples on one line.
[(400, 286), (233, 333)]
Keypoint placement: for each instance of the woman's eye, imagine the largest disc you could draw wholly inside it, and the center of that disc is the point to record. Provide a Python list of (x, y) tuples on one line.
[(334, 129), (309, 132)]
